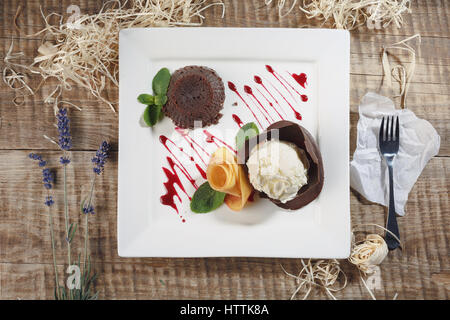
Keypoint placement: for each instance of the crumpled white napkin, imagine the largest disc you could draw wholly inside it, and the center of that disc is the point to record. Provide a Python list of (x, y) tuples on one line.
[(419, 142)]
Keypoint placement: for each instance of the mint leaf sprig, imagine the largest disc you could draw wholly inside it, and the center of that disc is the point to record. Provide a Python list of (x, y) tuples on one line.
[(153, 112), (206, 199), (247, 131)]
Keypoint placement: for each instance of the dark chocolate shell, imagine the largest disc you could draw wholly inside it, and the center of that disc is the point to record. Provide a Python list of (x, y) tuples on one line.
[(291, 132), (195, 93)]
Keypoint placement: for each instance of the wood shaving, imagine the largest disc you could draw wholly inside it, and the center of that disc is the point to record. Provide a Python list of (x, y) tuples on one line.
[(52, 140), (400, 73), (53, 100), (350, 14), (280, 5), (322, 273), (18, 12), (14, 79), (85, 51)]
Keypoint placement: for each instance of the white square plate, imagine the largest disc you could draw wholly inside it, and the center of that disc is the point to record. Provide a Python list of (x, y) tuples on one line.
[(147, 228)]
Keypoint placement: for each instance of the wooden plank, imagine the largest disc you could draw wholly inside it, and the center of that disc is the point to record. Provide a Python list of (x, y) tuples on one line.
[(218, 278)]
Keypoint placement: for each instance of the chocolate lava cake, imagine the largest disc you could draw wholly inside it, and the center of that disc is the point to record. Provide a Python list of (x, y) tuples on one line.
[(195, 93)]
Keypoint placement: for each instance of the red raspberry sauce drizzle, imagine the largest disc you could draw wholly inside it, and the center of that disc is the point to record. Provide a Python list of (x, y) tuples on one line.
[(210, 138), (300, 78), (258, 80), (237, 120), (274, 73), (172, 179), (233, 88), (248, 90), (193, 144)]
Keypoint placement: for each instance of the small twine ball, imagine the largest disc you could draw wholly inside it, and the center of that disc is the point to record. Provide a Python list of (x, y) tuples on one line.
[(369, 253)]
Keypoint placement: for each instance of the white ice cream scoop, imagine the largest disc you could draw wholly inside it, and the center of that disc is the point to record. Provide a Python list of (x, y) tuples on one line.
[(276, 168)]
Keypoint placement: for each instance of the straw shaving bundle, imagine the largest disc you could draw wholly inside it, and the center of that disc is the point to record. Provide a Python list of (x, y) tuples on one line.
[(322, 273), (349, 14), (369, 253), (85, 51)]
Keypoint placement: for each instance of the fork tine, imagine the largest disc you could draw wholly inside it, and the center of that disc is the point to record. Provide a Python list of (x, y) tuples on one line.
[(391, 129), (381, 130), (397, 130)]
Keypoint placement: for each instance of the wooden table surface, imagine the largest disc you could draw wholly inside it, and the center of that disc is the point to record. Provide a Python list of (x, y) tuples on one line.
[(421, 271)]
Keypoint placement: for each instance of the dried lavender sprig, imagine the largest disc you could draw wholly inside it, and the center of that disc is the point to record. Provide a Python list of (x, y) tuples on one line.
[(48, 179), (66, 220), (65, 143), (99, 161)]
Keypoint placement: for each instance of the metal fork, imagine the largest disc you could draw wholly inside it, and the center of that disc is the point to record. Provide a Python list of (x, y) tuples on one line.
[(389, 144)]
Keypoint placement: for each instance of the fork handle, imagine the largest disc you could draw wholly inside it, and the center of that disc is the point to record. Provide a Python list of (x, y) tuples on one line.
[(392, 225)]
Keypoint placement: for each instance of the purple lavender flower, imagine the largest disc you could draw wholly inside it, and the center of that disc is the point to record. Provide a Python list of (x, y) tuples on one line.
[(47, 178), (88, 209), (37, 157), (49, 201), (47, 175), (100, 157), (64, 160), (65, 139), (34, 156)]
